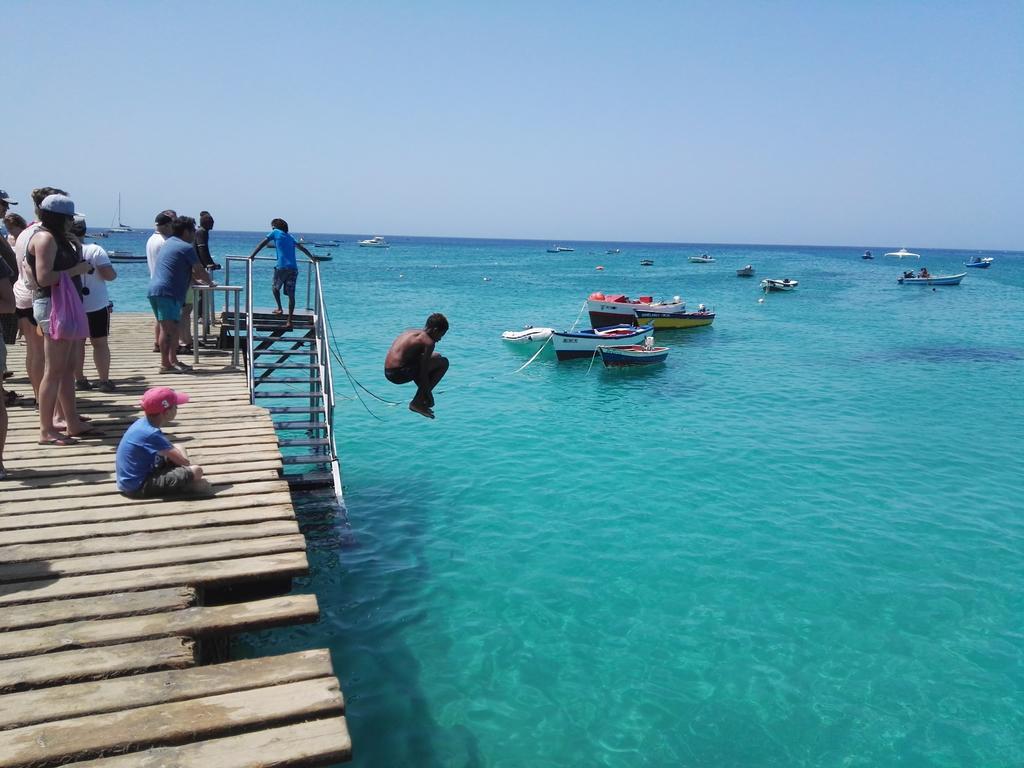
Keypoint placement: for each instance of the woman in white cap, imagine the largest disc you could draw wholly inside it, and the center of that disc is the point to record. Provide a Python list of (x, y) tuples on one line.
[(51, 253)]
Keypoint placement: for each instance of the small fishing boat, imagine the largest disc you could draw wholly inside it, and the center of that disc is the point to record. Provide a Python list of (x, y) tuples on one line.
[(374, 242), (613, 251), (633, 354), (980, 263), (867, 255), (560, 249), (571, 345), (646, 262), (663, 319), (613, 308), (702, 259), (528, 335), (124, 257), (321, 256), (903, 253), (909, 278), (784, 284), (747, 271), (326, 244)]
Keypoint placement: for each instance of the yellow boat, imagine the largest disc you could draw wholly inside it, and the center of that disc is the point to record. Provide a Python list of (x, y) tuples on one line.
[(666, 319)]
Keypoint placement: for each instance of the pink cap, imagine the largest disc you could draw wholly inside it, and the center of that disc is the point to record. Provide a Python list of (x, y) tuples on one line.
[(161, 399)]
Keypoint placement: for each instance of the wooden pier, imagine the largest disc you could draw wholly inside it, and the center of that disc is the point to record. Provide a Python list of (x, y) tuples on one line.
[(111, 608)]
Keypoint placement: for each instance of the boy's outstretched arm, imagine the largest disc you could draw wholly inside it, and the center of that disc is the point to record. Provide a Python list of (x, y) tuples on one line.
[(260, 247), (302, 248)]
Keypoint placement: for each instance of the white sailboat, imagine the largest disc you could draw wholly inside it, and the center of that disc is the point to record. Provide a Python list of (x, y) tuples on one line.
[(121, 226)]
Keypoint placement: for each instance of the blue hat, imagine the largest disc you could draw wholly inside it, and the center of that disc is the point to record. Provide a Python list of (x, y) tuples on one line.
[(61, 204), (6, 199)]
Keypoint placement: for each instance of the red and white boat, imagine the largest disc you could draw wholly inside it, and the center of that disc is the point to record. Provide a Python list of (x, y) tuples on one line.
[(617, 308)]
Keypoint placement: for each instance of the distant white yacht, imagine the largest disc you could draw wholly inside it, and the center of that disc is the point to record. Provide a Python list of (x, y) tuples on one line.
[(375, 242)]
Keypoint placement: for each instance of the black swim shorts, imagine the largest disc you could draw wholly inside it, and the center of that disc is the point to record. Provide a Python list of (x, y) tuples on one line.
[(166, 479), (402, 375)]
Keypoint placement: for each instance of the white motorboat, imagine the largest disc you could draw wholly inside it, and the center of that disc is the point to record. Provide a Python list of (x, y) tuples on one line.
[(577, 344), (903, 253), (528, 335), (784, 284), (374, 242), (560, 249), (702, 259)]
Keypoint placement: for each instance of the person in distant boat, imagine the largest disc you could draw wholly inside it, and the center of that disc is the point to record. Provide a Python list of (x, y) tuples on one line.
[(412, 358), (924, 272), (287, 269)]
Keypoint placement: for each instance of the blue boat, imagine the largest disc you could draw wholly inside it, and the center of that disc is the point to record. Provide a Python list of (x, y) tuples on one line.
[(633, 354), (980, 263), (570, 345)]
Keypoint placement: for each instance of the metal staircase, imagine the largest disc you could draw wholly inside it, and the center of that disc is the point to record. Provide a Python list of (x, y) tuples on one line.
[(289, 374)]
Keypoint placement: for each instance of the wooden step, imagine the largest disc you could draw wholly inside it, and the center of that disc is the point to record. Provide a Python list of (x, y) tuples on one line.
[(296, 442), (314, 379), (300, 425), (308, 458), (292, 409), (307, 352), (315, 395)]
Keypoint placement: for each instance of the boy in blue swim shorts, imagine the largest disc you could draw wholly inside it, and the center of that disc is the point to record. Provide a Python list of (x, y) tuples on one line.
[(287, 269)]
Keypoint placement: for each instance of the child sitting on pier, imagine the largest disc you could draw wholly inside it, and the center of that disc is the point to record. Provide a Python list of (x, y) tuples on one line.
[(147, 463)]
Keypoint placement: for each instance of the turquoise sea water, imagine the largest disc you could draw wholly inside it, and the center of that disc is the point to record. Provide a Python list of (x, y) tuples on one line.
[(798, 543)]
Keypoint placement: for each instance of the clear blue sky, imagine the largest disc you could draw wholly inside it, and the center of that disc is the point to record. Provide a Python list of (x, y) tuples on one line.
[(861, 123)]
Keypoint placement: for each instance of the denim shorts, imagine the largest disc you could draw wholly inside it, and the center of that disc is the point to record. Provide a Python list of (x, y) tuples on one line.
[(165, 308), (41, 314), (284, 279)]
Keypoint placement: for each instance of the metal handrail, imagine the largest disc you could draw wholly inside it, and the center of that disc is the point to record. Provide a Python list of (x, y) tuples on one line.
[(314, 286)]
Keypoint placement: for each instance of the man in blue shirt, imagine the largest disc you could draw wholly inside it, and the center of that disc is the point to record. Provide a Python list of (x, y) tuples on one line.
[(287, 270), (176, 266), (147, 464)]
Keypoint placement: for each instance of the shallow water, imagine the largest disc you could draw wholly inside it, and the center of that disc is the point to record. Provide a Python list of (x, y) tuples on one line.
[(799, 542)]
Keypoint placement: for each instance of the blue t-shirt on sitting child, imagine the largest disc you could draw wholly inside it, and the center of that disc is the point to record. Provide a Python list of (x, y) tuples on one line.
[(137, 454), (285, 245)]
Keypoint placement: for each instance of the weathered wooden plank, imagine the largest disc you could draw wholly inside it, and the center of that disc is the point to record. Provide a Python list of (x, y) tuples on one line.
[(302, 745), (232, 510), (27, 446), (106, 505), (245, 514), (222, 714), (97, 697), (19, 489), (88, 474), (190, 622), (99, 607), (212, 573), (208, 456), (90, 663), (150, 540), (149, 558)]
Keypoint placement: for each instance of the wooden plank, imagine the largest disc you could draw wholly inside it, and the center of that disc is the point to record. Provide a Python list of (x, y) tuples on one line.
[(197, 553), (144, 690), (101, 506), (302, 745), (102, 458), (99, 607), (90, 663), (151, 540), (275, 508), (190, 622), (27, 446), (213, 573), (20, 489), (89, 474), (222, 714)]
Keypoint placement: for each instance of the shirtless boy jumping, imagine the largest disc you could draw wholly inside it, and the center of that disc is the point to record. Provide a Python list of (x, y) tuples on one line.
[(412, 358)]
